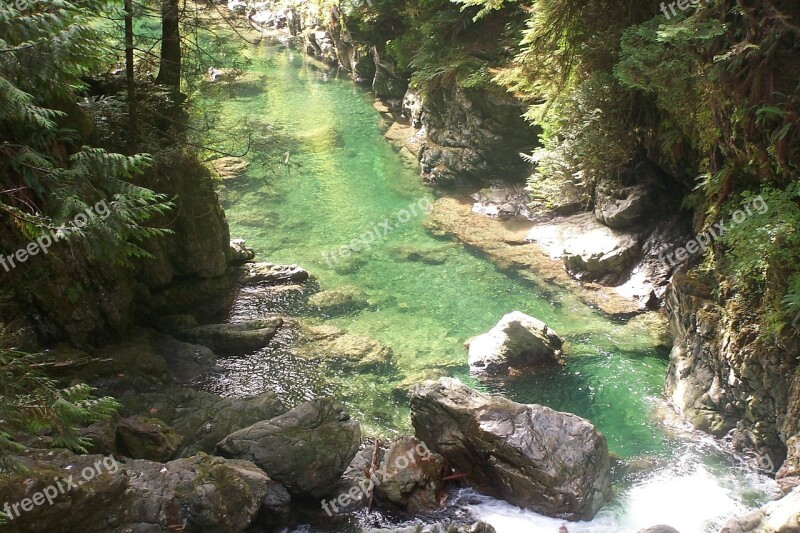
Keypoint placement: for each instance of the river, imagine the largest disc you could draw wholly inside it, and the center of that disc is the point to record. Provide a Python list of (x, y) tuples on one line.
[(345, 179)]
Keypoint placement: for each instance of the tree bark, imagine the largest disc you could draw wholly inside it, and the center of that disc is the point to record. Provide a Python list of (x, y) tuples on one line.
[(133, 111), (169, 72)]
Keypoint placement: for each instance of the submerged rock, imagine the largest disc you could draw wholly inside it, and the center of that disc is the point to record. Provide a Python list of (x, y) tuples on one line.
[(431, 255), (234, 339), (338, 301), (659, 529), (306, 449), (410, 475), (272, 273), (556, 464), (779, 516), (335, 346), (517, 342)]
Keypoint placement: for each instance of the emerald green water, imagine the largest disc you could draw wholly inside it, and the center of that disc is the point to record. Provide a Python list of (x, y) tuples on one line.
[(347, 179)]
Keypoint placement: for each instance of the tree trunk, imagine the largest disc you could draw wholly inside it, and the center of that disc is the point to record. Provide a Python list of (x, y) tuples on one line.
[(169, 72), (133, 110)]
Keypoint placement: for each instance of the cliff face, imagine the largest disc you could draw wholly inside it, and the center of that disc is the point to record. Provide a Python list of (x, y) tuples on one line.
[(729, 381), (71, 296)]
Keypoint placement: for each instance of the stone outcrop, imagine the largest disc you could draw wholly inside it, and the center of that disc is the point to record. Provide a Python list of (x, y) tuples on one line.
[(726, 379), (306, 449), (590, 250), (197, 494), (622, 207), (234, 339), (779, 516), (554, 463), (517, 342), (474, 134)]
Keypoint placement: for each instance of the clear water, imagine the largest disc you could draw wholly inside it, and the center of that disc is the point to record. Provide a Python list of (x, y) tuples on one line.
[(346, 181)]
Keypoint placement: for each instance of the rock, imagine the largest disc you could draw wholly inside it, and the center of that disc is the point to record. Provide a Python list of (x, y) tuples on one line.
[(621, 207), (234, 339), (335, 346), (387, 83), (271, 273), (501, 201), (207, 419), (779, 516), (473, 134), (556, 464), (339, 301), (411, 475), (102, 436), (430, 255), (306, 449), (228, 168), (173, 323), (240, 253), (788, 476), (147, 438), (350, 493), (517, 342), (504, 243), (186, 362), (659, 529), (198, 494), (590, 250), (412, 107)]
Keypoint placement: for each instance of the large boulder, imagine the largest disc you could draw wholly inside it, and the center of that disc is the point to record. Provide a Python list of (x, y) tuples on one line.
[(206, 419), (197, 494), (518, 341), (779, 516), (556, 464), (306, 449), (410, 475), (234, 339)]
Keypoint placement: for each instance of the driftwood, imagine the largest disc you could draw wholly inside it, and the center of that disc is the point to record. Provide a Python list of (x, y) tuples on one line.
[(372, 468)]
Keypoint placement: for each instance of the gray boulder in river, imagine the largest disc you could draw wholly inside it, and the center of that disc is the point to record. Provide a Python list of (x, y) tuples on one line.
[(554, 463), (517, 342), (306, 449)]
